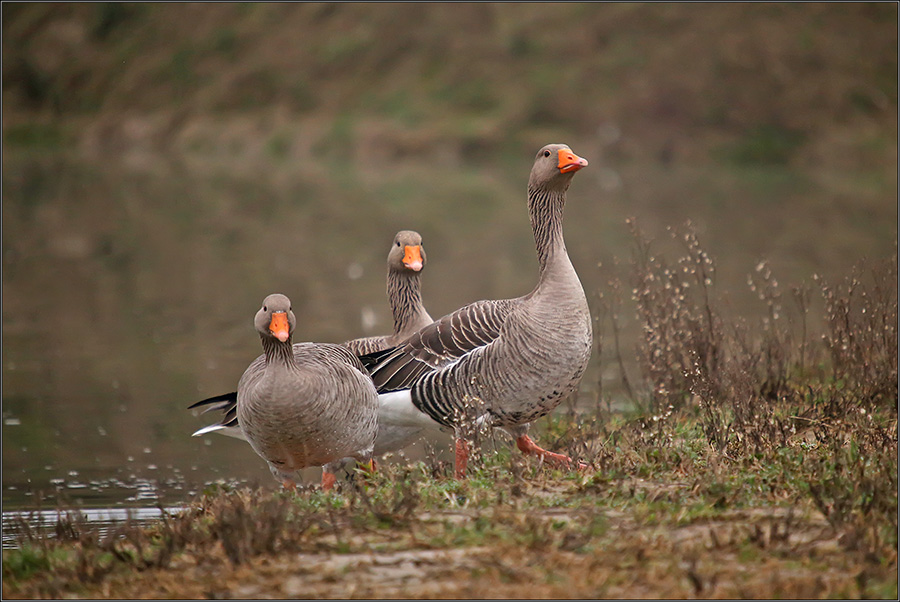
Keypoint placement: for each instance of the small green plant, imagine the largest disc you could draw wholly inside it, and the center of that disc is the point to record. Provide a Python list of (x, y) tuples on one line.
[(25, 562)]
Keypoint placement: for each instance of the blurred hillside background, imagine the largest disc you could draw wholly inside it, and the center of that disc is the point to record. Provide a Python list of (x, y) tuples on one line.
[(165, 166)]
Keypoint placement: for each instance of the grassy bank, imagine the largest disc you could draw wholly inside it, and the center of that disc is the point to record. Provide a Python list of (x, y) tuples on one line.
[(665, 516), (758, 461)]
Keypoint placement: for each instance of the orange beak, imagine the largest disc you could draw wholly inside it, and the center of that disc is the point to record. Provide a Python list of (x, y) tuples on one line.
[(412, 257), (569, 161), (279, 326)]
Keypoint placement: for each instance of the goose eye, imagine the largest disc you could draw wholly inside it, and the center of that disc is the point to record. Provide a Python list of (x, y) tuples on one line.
[(546, 153), (265, 308), (398, 243)]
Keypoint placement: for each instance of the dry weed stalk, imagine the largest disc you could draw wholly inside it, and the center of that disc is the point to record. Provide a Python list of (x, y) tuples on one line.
[(682, 337), (861, 334)]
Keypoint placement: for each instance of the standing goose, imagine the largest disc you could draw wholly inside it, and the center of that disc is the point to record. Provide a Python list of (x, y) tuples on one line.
[(405, 262), (509, 361), (306, 404)]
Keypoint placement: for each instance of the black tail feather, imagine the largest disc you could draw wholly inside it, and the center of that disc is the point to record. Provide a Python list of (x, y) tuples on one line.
[(371, 360), (223, 401)]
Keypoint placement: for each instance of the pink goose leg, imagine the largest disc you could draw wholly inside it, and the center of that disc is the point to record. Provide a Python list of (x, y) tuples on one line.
[(527, 446), (462, 459)]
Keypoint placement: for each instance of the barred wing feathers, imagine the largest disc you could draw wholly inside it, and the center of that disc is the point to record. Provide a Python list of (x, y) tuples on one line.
[(439, 344)]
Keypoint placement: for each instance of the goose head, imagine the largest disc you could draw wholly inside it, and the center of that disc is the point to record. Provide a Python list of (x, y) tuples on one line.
[(407, 253), (553, 167), (275, 318)]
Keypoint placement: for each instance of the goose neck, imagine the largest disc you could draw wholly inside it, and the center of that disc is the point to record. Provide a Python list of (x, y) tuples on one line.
[(405, 298), (546, 210), (276, 352)]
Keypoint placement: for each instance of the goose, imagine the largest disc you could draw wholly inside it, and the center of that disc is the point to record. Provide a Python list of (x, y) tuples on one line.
[(303, 404), (504, 363), (405, 262)]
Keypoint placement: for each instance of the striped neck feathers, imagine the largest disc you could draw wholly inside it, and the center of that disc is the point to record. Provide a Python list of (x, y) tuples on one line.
[(546, 210), (276, 352), (405, 298)]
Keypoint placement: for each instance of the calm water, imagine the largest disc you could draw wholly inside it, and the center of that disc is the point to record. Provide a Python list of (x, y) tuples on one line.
[(129, 293)]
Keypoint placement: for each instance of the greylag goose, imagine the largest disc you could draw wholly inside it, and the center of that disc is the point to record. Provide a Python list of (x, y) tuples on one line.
[(405, 262), (507, 361), (303, 405)]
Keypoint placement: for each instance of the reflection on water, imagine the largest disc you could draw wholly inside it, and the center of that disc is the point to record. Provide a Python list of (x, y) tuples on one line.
[(129, 295), (95, 492), (44, 522), (93, 503), (19, 526), (97, 503)]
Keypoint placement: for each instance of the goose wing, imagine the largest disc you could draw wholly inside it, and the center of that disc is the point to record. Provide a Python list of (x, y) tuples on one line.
[(439, 344)]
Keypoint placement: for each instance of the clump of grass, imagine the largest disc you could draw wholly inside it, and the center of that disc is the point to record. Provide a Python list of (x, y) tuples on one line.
[(393, 503), (752, 388), (735, 374), (76, 552), (854, 485), (250, 523)]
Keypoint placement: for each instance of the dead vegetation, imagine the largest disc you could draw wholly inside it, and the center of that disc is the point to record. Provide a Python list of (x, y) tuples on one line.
[(760, 461)]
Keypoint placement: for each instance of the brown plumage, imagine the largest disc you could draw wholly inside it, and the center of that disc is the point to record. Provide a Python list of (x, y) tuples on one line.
[(303, 405), (509, 361)]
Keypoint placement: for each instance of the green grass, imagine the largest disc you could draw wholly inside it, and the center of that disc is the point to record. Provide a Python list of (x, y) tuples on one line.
[(26, 562)]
